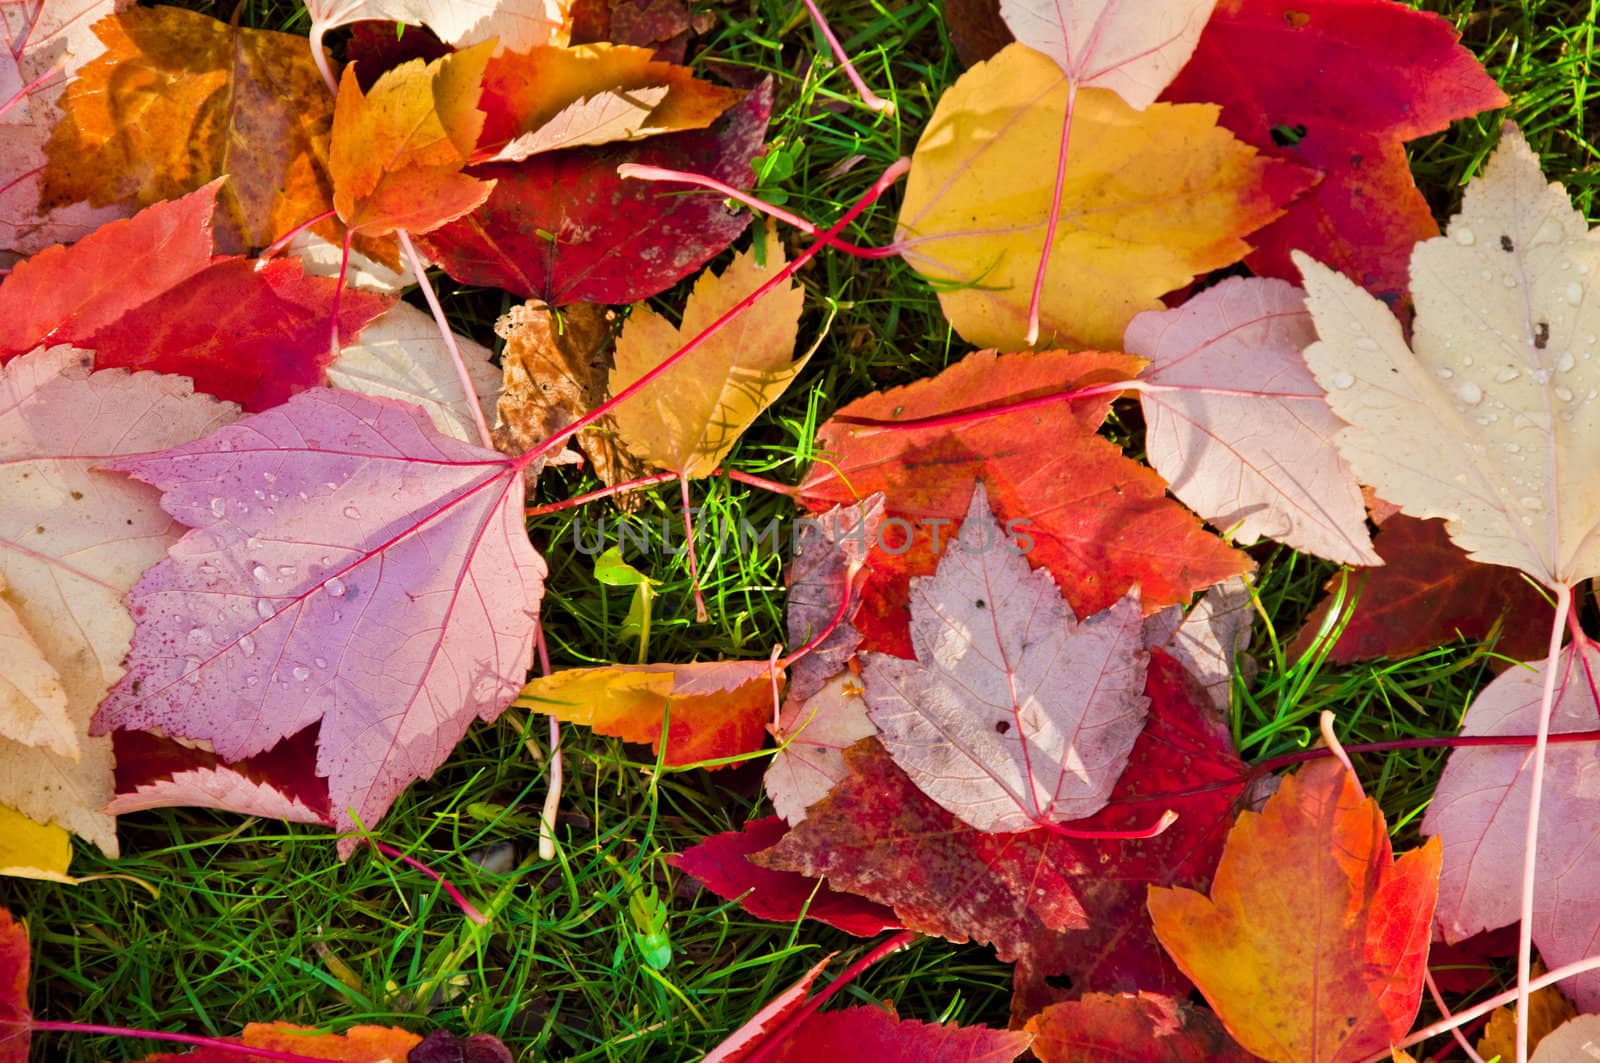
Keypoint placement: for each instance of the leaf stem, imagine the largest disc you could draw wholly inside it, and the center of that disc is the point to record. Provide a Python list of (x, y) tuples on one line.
[(603, 492), (552, 797), (1054, 220), (468, 909), (447, 334), (215, 1043), (868, 97), (1444, 1009), (775, 1039), (287, 238), (700, 613)]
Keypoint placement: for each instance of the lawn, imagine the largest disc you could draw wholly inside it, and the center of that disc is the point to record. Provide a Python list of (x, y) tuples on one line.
[(210, 921)]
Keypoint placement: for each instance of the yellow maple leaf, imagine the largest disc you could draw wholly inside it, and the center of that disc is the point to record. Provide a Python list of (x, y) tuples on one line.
[(687, 419), (33, 850), (1150, 200)]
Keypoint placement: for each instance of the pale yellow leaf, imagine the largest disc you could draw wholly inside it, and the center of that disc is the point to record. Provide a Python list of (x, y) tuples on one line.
[(33, 850), (33, 703), (597, 119), (1488, 420), (687, 420)]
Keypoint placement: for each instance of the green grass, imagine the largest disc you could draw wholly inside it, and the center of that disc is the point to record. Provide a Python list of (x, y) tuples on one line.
[(211, 921)]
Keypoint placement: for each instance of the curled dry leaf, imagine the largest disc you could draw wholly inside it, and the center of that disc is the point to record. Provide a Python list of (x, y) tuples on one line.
[(72, 541), (282, 783), (1487, 419), (1014, 714), (1239, 427), (1151, 199), (348, 566)]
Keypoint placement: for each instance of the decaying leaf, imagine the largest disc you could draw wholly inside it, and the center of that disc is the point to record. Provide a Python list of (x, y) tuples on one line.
[(1322, 964), (814, 733), (33, 701), (73, 540), (1485, 420), (830, 551), (514, 24), (1015, 714), (1136, 1027), (688, 419), (1151, 199)]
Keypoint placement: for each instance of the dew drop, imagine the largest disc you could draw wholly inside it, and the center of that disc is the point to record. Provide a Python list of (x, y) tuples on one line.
[(286, 570), (352, 513), (1565, 362), (1367, 343), (247, 645), (301, 673), (260, 572), (1446, 373), (1513, 448), (243, 508), (1343, 380), (1531, 502), (263, 609), (1564, 394), (191, 673), (1509, 281), (1574, 293), (218, 507), (271, 478), (1527, 521), (251, 680), (1466, 359), (1471, 394), (1507, 375), (198, 634), (207, 569), (1463, 236), (320, 662), (335, 587)]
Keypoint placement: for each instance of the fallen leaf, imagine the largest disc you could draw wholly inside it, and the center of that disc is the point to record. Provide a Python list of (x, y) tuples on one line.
[(1054, 904), (1572, 1040), (346, 565), (1133, 51), (30, 850), (1547, 1010), (359, 1044), (442, 1046), (15, 1018), (1151, 199), (1212, 641), (178, 100), (398, 150), (1098, 521), (873, 1035), (563, 227), (664, 26), (719, 863), (72, 541), (514, 24), (282, 783), (710, 709), (1399, 74), (976, 29), (1131, 1027), (813, 735), (42, 45), (1324, 963), (33, 701), (1480, 814), (1428, 593), (1491, 440), (830, 551), (596, 93), (402, 356), (1014, 714), (753, 1035), (1238, 426), (687, 419)]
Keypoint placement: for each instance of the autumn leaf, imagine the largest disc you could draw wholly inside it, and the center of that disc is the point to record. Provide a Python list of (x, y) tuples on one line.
[(1237, 425), (709, 709), (15, 1018), (1098, 521), (1053, 904), (754, 1035), (824, 577), (549, 98), (1014, 714), (664, 26), (873, 1035), (31, 850), (345, 565), (72, 541), (563, 227), (1572, 1040), (1131, 1028), (1151, 199), (1399, 74), (398, 150), (719, 863), (33, 701), (687, 419), (178, 100), (1484, 420), (359, 1044), (1547, 1010), (1428, 594), (146, 293), (282, 783), (1135, 52), (514, 24), (1480, 814), (1323, 964), (43, 43), (1212, 641), (813, 735)]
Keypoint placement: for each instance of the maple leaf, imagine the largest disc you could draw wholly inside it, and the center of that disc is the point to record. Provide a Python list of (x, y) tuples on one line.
[(1400, 74), (1014, 714), (874, 1035), (814, 734), (282, 783), (15, 1017), (346, 565), (563, 227), (1210, 642), (72, 541), (720, 865), (402, 356), (31, 850), (398, 150), (1427, 594), (1479, 812), (514, 24), (1323, 964), (1479, 420), (1131, 1027), (830, 551), (687, 419), (757, 1030), (1133, 52), (359, 1044), (179, 99), (42, 44), (146, 293), (33, 701), (1098, 521), (664, 26), (1571, 1040), (1237, 424), (1054, 904), (1150, 199), (709, 709), (549, 98)]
